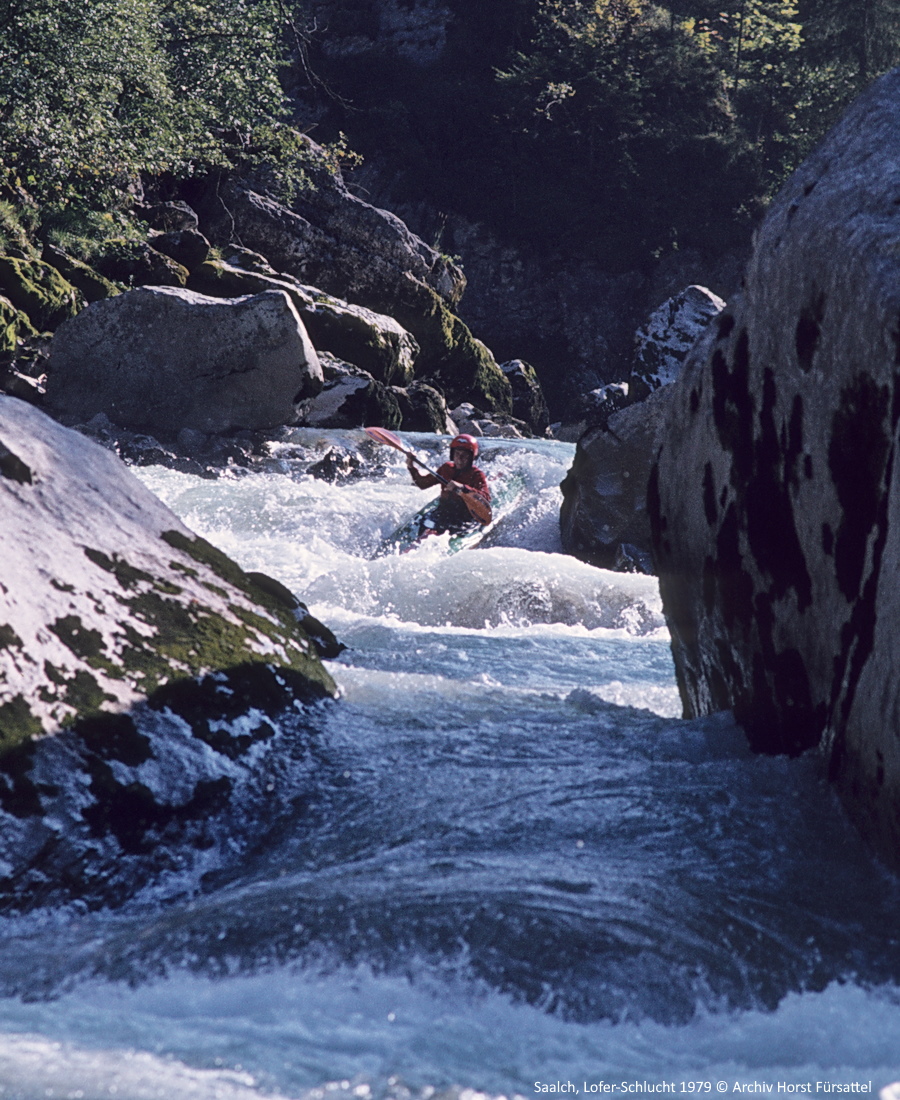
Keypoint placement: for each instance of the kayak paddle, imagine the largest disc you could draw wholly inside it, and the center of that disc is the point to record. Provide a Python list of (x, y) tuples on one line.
[(475, 502)]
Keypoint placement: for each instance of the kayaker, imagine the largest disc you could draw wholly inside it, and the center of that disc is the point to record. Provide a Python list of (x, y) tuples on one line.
[(465, 499)]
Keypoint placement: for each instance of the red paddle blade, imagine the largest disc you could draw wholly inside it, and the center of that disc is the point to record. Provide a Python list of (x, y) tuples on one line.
[(382, 435)]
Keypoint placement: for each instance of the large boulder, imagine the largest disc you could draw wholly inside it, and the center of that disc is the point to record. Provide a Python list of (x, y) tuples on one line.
[(776, 500), (330, 238), (138, 665), (161, 359), (603, 519), (664, 339), (528, 401), (371, 341)]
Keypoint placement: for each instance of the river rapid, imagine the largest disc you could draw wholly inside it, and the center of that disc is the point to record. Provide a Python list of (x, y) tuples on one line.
[(508, 866)]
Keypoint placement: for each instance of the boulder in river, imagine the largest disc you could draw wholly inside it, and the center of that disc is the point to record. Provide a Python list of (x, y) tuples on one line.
[(160, 359), (139, 666), (603, 519), (776, 499)]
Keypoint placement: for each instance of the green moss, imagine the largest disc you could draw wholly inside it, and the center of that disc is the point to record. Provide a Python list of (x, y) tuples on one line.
[(39, 291), (60, 586), (206, 554), (17, 722), (14, 326), (85, 695), (217, 589), (463, 368), (83, 277), (127, 575), (75, 636), (185, 570)]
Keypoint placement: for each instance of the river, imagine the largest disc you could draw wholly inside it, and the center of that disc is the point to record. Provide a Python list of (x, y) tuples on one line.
[(509, 867)]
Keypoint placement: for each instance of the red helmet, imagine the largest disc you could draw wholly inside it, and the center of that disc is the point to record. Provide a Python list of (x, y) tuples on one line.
[(465, 443)]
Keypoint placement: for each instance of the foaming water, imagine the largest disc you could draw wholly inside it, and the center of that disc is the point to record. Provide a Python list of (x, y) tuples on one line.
[(506, 862)]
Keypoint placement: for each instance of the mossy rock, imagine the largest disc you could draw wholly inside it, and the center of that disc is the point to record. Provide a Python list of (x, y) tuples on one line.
[(14, 325), (39, 291), (461, 366), (82, 276), (135, 263)]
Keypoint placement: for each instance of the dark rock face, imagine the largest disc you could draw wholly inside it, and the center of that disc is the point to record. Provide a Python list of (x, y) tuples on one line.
[(528, 401), (162, 359), (775, 497), (603, 519)]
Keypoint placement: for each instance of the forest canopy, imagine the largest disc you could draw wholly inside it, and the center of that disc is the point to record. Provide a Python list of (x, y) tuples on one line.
[(622, 129), (619, 128)]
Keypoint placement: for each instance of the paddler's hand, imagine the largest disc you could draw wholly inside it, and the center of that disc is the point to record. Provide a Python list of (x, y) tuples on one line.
[(455, 487)]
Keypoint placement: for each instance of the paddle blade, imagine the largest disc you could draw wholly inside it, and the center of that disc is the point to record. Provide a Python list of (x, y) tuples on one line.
[(479, 507), (382, 435)]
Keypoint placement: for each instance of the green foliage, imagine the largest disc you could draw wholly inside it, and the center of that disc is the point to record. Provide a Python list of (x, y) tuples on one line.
[(94, 95)]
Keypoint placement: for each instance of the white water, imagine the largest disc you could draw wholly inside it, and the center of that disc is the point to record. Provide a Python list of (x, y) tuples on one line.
[(515, 864)]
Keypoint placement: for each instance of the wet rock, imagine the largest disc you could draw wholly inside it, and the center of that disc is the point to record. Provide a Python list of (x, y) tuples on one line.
[(335, 465), (603, 519), (160, 359), (775, 497), (138, 667)]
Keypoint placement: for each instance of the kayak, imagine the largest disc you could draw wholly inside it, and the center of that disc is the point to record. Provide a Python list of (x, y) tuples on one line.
[(505, 493)]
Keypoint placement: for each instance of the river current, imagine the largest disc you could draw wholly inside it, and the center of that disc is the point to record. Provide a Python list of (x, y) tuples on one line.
[(508, 867)]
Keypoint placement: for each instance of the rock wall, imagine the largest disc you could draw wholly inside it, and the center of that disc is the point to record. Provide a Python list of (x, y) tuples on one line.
[(776, 501)]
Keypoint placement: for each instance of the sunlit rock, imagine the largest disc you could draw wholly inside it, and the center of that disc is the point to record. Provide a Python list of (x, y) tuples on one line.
[(775, 499), (664, 339), (139, 666), (160, 359)]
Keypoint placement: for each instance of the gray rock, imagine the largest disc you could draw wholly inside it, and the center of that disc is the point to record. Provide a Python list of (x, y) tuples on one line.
[(372, 341), (423, 409), (168, 217), (138, 665), (665, 338), (351, 398), (161, 359), (775, 498), (528, 401), (333, 240), (187, 247), (603, 519)]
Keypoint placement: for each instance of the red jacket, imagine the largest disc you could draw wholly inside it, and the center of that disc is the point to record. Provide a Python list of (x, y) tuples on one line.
[(473, 477)]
